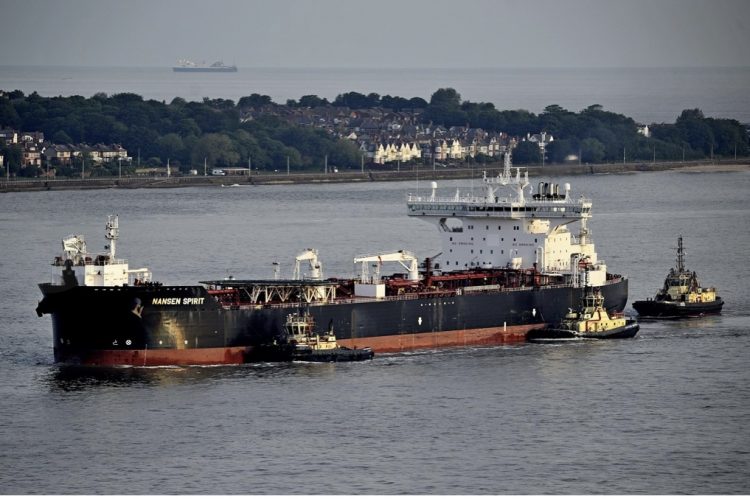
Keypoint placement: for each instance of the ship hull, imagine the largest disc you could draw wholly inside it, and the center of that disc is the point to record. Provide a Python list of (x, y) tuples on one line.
[(185, 325), (659, 309), (205, 70)]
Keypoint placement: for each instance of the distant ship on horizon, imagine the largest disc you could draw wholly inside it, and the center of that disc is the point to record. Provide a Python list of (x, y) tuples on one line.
[(186, 66)]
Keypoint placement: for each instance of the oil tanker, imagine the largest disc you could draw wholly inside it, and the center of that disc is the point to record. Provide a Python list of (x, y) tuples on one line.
[(512, 260)]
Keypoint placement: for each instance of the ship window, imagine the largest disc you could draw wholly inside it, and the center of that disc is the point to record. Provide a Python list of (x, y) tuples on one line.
[(480, 252), (492, 252), (487, 227), (499, 227)]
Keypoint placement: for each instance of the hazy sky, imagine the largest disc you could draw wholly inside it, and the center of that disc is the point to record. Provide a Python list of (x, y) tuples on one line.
[(377, 33)]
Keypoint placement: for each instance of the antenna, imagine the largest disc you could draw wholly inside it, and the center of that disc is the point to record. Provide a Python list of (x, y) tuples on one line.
[(680, 255), (113, 232)]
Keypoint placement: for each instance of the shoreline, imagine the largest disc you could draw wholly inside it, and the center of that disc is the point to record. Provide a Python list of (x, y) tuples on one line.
[(25, 185)]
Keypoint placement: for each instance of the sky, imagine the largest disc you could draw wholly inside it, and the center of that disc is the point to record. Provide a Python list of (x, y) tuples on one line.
[(377, 33)]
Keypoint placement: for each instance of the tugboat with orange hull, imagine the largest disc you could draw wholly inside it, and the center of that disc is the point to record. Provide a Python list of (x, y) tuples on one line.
[(681, 296)]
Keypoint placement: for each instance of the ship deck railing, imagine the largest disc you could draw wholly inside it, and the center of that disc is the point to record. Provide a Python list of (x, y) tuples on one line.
[(409, 296), (482, 200)]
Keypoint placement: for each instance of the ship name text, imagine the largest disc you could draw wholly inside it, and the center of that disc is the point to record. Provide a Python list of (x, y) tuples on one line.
[(178, 301)]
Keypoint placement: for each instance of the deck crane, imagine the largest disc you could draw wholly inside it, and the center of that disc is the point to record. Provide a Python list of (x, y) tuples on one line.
[(403, 257), (316, 267)]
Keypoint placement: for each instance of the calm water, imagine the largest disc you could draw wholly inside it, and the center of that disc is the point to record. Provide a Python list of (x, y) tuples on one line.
[(648, 95), (664, 413)]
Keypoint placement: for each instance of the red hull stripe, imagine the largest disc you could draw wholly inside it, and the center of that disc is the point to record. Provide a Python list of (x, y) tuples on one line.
[(445, 339), (237, 355), (160, 357)]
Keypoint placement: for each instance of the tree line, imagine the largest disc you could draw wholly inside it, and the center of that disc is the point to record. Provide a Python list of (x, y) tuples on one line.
[(191, 134)]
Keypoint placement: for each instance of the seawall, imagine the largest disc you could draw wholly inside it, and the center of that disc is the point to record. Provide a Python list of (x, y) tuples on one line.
[(407, 173)]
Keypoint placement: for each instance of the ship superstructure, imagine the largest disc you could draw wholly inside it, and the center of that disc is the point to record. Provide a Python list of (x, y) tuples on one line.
[(98, 269), (515, 230)]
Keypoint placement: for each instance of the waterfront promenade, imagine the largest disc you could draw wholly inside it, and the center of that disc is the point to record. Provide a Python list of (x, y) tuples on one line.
[(405, 173)]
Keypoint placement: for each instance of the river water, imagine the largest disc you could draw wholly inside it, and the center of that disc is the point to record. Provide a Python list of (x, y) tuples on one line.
[(663, 413)]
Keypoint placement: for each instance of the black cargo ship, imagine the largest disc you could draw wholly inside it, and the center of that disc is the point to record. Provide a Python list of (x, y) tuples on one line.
[(508, 265)]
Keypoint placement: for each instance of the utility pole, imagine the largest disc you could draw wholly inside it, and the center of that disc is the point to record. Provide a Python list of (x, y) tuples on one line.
[(287, 166)]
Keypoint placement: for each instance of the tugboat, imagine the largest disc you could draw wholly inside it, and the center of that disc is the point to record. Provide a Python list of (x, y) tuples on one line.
[(298, 341), (681, 296), (590, 322), (313, 347)]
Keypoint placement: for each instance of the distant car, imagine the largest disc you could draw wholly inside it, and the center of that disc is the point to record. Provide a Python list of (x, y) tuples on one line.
[(217, 171)]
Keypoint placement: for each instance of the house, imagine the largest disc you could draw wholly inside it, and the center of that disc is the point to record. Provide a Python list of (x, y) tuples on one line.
[(111, 153), (9, 136), (32, 137), (31, 156), (57, 154), (542, 139)]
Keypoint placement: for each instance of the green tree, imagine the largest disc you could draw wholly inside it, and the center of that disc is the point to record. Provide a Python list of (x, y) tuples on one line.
[(312, 101), (447, 97), (218, 149), (170, 146), (60, 137), (8, 115), (12, 155), (254, 101), (560, 149), (592, 151), (527, 152)]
